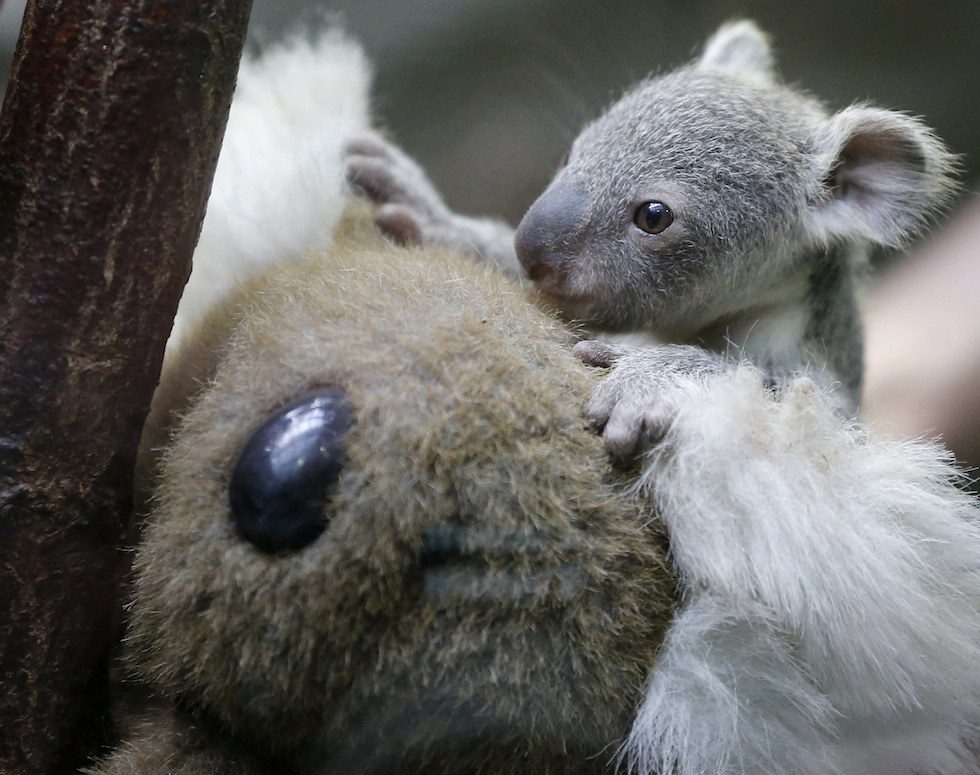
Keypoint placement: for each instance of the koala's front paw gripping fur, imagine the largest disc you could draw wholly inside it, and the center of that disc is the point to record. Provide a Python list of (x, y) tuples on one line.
[(413, 212), (633, 407)]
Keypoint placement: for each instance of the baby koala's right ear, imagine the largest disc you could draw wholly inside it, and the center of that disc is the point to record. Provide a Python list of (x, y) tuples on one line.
[(739, 47), (883, 175)]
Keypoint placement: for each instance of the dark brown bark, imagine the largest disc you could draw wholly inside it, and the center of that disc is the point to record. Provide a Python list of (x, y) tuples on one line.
[(108, 139)]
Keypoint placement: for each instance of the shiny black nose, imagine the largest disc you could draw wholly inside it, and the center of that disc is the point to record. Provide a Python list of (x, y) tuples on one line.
[(549, 231), (284, 476)]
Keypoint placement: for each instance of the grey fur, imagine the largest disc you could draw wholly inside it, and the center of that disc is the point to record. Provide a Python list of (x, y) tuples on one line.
[(775, 204)]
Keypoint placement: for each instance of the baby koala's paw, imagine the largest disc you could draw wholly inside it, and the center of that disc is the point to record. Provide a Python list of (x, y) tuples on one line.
[(634, 406), (411, 210)]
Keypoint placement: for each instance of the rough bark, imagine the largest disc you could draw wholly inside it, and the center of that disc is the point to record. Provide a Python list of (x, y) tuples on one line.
[(108, 139)]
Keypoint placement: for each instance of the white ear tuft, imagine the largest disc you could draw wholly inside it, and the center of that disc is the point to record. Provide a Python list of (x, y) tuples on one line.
[(739, 47), (278, 188), (885, 175)]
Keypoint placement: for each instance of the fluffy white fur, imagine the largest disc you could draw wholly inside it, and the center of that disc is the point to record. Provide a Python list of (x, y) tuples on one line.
[(278, 189), (831, 579), (832, 613)]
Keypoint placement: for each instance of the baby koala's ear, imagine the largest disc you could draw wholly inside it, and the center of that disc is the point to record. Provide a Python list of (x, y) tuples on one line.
[(739, 47), (883, 175)]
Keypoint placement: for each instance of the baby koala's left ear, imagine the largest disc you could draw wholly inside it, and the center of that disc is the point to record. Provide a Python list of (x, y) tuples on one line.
[(739, 47), (882, 176)]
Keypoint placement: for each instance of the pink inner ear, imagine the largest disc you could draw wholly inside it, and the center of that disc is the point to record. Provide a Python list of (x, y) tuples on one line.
[(890, 175), (877, 163)]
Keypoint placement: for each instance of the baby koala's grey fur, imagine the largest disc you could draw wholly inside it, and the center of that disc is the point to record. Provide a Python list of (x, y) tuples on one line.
[(775, 204)]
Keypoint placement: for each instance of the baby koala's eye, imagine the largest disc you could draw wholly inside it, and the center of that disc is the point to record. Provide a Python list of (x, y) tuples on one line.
[(653, 217), (282, 480)]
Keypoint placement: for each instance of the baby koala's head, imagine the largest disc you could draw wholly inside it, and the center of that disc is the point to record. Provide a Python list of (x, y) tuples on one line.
[(701, 192)]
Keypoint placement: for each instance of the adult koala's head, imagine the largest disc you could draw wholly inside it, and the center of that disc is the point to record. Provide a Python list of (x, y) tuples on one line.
[(384, 540)]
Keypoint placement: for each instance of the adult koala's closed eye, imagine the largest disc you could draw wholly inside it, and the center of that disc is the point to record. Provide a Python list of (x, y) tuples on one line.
[(713, 206)]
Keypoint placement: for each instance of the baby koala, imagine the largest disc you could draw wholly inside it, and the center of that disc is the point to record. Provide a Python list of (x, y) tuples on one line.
[(713, 209)]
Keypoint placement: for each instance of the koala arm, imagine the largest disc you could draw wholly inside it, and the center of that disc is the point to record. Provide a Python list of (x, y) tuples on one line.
[(830, 578), (412, 210)]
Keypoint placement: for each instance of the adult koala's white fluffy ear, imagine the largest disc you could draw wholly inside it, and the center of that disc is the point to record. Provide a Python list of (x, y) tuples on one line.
[(278, 188), (884, 175), (739, 47)]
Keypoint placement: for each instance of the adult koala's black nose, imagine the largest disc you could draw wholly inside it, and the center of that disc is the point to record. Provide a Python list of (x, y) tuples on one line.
[(549, 231)]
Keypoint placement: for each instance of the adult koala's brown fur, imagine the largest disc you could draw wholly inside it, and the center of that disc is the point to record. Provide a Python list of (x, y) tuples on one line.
[(484, 597)]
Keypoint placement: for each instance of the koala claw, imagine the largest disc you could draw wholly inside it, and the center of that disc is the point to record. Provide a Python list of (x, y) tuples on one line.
[(399, 223), (634, 429), (626, 408), (597, 353)]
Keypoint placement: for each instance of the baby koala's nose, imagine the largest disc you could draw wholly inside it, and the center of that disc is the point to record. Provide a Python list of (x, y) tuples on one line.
[(548, 233)]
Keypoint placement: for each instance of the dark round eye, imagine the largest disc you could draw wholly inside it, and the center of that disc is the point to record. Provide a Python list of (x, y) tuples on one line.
[(653, 217), (282, 480)]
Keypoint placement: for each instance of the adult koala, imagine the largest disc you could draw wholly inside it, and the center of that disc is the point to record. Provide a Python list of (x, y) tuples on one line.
[(384, 540)]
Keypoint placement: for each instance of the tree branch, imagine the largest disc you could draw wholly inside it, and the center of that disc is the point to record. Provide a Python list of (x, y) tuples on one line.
[(109, 135)]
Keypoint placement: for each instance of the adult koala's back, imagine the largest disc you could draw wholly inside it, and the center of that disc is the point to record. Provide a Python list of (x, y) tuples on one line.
[(485, 596)]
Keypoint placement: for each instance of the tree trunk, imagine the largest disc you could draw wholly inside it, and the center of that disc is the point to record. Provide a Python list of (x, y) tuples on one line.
[(109, 135)]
